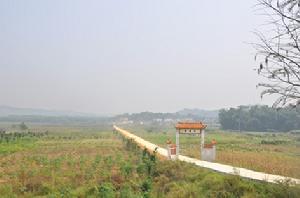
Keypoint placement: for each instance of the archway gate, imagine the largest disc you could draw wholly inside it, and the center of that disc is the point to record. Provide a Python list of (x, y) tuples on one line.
[(190, 128)]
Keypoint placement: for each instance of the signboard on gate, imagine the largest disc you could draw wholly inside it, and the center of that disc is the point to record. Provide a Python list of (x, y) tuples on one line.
[(190, 127), (190, 131)]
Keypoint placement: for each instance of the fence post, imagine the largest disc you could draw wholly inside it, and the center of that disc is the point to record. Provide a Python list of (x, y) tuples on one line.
[(202, 142), (177, 143)]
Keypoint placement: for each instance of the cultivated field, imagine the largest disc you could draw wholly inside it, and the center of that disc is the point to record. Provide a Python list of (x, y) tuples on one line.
[(274, 153), (95, 162)]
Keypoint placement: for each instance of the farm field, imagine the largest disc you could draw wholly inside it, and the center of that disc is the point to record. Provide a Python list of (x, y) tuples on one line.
[(274, 153), (56, 161)]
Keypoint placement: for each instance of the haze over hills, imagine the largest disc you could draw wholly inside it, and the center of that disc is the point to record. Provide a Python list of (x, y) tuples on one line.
[(42, 116), (185, 114), (199, 112), (15, 114), (16, 111), (254, 118)]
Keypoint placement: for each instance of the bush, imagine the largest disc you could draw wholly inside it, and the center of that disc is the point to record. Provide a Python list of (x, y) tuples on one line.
[(273, 142), (126, 169), (106, 190), (146, 188), (126, 192)]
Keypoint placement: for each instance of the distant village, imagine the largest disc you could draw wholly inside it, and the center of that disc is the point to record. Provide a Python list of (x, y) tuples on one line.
[(148, 118)]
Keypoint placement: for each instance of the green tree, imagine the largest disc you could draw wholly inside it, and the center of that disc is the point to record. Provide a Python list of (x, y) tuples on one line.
[(23, 126), (260, 118)]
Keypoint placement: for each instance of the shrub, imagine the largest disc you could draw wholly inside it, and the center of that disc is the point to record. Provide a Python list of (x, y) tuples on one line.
[(273, 142), (106, 190), (126, 169), (126, 192), (146, 187), (65, 192), (6, 190)]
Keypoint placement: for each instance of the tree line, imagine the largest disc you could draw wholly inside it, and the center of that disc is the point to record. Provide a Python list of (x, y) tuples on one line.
[(260, 118)]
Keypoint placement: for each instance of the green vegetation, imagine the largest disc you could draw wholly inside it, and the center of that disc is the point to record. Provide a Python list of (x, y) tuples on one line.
[(92, 162), (17, 141), (260, 118), (195, 114), (178, 179), (274, 153), (21, 126)]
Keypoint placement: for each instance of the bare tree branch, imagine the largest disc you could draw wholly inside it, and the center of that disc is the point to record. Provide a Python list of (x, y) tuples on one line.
[(279, 52)]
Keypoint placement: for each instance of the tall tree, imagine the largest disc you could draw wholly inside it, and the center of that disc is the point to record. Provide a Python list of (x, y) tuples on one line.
[(279, 52), (23, 126), (259, 118)]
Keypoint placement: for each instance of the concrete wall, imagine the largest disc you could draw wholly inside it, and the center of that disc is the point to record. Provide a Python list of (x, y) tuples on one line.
[(208, 154)]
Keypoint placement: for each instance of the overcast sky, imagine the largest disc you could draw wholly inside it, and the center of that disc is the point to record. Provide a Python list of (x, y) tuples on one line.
[(109, 56)]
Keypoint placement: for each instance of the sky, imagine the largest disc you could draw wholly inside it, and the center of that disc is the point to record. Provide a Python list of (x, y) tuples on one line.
[(116, 56)]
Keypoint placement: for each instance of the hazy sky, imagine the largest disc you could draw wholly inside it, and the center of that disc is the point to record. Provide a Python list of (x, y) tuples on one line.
[(127, 55)]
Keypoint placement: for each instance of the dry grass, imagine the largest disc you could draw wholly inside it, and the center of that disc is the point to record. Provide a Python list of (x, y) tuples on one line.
[(57, 164), (80, 163), (241, 149)]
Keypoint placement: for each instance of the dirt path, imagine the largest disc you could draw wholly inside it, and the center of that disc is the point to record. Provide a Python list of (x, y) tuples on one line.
[(246, 173)]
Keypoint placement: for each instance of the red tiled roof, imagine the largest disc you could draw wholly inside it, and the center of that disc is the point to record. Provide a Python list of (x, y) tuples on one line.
[(190, 125)]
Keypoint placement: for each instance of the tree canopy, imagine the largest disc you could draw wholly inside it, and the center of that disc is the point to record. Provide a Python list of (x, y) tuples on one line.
[(259, 118)]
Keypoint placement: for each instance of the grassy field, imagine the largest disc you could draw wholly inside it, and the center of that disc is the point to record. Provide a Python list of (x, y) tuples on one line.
[(275, 153), (94, 162)]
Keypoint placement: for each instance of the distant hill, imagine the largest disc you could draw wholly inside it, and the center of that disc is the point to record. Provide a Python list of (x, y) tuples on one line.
[(185, 114), (199, 113), (15, 111), (15, 114)]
